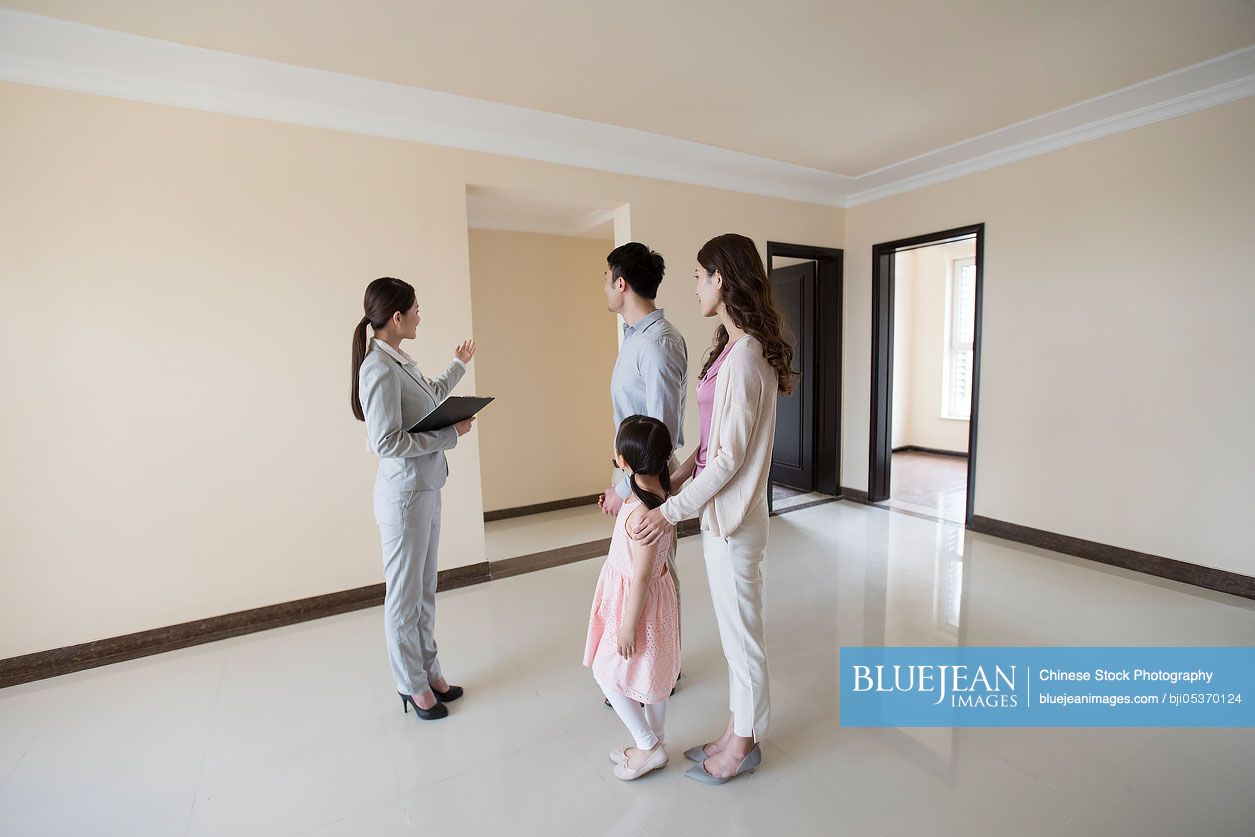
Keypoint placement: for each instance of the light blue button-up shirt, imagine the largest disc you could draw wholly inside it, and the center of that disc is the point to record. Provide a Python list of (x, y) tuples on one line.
[(651, 378)]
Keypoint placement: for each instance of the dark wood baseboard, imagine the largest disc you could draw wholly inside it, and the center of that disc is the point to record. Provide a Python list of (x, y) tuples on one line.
[(44, 664), (456, 577), (570, 554), (116, 649), (549, 558), (801, 506), (595, 549), (58, 661), (1170, 568), (853, 494), (1209, 578), (541, 508), (938, 451)]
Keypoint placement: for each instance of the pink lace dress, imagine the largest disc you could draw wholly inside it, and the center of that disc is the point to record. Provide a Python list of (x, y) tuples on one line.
[(649, 674)]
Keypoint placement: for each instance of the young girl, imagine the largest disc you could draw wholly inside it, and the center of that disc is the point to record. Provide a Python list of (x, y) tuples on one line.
[(633, 644)]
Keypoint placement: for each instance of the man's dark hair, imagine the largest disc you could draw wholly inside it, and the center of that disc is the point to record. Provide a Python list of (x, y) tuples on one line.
[(639, 266)]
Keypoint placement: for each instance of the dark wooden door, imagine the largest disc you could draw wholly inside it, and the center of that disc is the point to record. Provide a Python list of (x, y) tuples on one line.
[(793, 459)]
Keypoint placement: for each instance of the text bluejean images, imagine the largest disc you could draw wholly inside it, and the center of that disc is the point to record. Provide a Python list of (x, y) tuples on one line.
[(1047, 687)]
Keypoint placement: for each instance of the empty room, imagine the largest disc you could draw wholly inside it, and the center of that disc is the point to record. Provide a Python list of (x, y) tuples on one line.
[(654, 419)]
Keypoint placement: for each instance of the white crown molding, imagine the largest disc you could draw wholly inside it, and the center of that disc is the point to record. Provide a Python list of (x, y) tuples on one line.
[(54, 53), (1223, 79)]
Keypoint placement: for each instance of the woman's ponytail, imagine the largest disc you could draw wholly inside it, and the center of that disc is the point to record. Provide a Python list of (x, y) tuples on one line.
[(384, 297), (359, 355)]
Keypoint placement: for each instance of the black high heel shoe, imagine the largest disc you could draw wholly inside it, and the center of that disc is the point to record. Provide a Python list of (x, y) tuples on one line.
[(454, 693), (435, 713)]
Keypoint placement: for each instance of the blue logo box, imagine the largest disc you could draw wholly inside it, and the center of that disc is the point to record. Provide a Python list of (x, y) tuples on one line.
[(1047, 687)]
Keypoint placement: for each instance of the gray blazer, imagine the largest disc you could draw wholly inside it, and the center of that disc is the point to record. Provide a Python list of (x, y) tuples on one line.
[(395, 397)]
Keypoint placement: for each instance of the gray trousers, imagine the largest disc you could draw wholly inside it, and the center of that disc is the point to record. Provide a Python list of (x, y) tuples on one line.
[(409, 526)]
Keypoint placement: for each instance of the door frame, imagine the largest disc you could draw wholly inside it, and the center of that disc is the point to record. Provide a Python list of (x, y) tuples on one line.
[(801, 472), (826, 447), (881, 453)]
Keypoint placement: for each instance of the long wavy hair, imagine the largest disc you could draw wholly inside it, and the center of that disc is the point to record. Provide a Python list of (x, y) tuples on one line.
[(384, 297), (747, 296)]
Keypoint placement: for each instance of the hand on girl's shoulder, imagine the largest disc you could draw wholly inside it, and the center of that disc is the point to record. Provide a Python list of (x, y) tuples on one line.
[(635, 519)]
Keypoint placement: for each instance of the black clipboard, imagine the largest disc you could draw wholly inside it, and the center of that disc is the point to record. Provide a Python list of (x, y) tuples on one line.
[(450, 412)]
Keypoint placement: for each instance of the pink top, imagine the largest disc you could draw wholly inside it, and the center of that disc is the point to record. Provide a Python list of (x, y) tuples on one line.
[(648, 675), (706, 404)]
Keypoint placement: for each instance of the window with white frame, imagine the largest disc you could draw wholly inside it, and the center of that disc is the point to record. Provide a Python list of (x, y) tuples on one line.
[(957, 398)]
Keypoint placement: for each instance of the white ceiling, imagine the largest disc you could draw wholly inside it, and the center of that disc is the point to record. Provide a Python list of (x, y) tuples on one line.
[(844, 86), (872, 89)]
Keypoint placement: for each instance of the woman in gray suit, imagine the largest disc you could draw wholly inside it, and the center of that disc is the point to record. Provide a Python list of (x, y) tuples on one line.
[(391, 395)]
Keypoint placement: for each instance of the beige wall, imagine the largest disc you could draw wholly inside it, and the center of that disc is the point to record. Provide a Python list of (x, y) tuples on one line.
[(178, 293), (921, 311), (1116, 367), (540, 314)]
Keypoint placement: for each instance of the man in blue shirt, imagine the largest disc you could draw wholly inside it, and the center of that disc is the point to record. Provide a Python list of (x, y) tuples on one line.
[(650, 376)]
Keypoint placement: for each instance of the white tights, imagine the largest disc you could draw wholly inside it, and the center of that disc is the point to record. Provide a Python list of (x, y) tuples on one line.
[(645, 723)]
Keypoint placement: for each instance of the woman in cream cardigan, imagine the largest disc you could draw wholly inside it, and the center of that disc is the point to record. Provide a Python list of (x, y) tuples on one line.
[(750, 362)]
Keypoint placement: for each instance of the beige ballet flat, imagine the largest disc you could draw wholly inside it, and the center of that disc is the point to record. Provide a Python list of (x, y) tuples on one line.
[(658, 758), (619, 756)]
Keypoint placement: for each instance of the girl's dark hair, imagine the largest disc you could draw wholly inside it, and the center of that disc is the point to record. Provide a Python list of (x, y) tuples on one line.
[(384, 297), (645, 445), (747, 296)]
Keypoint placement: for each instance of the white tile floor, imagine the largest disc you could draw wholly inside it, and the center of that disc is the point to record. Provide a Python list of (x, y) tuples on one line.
[(298, 730), (533, 533)]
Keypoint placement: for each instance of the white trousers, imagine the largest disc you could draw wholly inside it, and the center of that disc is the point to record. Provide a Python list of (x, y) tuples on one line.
[(734, 570), (646, 724)]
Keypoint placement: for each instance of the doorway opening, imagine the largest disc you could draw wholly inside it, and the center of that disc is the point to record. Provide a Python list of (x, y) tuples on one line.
[(540, 484), (926, 327), (806, 458)]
